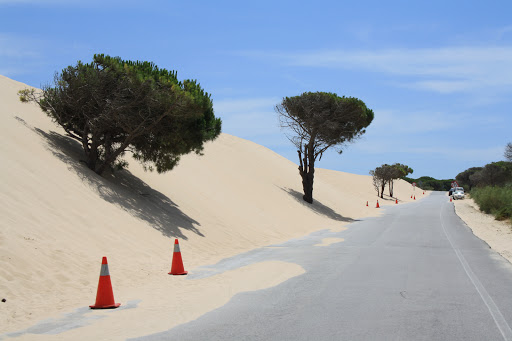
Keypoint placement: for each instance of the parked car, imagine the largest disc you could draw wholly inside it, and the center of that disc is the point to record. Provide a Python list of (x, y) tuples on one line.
[(458, 193)]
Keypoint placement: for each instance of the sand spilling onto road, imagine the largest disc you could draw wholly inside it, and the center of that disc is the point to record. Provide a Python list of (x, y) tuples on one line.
[(59, 219), (498, 234), (329, 241)]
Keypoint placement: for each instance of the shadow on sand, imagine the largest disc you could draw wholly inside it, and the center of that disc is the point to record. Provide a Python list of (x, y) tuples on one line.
[(387, 198), (122, 189), (317, 206)]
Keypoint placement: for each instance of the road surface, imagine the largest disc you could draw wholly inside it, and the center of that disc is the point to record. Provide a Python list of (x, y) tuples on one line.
[(415, 273)]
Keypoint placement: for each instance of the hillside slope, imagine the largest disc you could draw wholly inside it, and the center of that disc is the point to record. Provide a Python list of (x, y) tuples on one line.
[(59, 218)]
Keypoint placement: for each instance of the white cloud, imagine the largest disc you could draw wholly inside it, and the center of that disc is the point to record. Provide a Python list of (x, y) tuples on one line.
[(38, 2), (452, 62), (463, 154), (400, 147), (13, 46), (237, 106), (395, 123), (446, 86), (248, 117), (74, 3), (18, 54), (392, 122), (502, 32), (445, 70), (251, 124), (11, 71)]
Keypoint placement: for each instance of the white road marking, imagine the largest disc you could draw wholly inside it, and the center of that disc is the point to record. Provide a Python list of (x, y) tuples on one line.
[(496, 314)]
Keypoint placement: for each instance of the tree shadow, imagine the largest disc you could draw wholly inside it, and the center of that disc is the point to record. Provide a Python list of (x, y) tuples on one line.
[(387, 198), (317, 206), (122, 189)]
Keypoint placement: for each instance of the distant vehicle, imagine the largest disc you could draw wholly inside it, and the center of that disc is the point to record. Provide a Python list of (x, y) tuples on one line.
[(458, 193)]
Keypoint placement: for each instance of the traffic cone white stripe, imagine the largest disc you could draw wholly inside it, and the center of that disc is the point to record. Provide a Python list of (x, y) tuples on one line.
[(104, 270)]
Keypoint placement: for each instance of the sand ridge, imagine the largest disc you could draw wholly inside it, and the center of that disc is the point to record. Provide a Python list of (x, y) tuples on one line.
[(59, 219)]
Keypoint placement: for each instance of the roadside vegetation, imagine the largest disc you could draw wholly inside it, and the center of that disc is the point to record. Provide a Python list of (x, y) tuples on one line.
[(494, 200), (431, 184), (490, 186)]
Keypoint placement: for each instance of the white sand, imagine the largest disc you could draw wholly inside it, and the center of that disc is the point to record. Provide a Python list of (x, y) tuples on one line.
[(498, 234), (329, 241), (59, 219)]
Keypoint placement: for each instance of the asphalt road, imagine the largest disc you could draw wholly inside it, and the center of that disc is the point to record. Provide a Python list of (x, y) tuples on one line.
[(415, 273)]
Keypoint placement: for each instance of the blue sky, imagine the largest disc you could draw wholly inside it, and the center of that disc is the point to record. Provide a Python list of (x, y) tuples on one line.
[(438, 74)]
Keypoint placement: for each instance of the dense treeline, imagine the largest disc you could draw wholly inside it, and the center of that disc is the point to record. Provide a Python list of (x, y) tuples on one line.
[(491, 186), (431, 184), (493, 174)]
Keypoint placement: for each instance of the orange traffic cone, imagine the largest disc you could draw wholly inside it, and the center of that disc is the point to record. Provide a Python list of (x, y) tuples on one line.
[(411, 196), (450, 199), (105, 295), (414, 197), (377, 205), (367, 203), (423, 192), (177, 262), (396, 201)]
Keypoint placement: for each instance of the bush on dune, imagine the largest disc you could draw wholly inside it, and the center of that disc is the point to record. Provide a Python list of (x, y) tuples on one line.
[(494, 200)]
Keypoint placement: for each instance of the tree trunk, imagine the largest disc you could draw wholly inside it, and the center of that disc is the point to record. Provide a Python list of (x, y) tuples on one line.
[(307, 171), (111, 154), (91, 151), (391, 188), (307, 186), (101, 168), (93, 157), (382, 189)]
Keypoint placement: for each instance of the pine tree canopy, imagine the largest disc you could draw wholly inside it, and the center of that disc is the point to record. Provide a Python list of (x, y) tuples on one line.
[(111, 106)]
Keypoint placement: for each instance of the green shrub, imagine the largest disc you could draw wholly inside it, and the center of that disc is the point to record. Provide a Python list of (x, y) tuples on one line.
[(494, 200)]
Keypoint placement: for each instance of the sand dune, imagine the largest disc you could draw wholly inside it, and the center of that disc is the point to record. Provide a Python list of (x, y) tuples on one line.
[(497, 234), (59, 219)]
